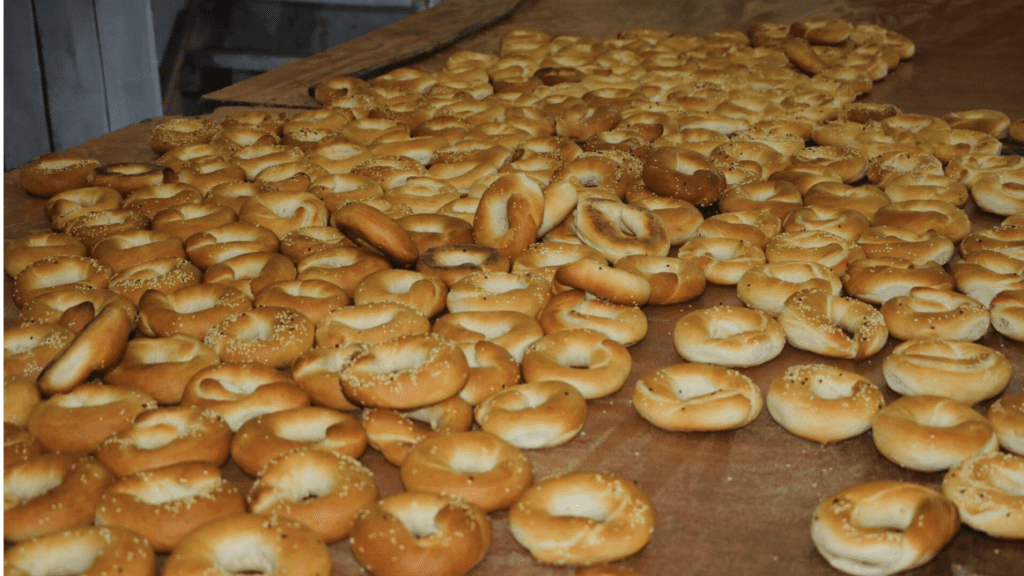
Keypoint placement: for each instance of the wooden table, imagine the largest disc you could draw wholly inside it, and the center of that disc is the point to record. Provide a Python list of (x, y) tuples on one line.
[(734, 502)]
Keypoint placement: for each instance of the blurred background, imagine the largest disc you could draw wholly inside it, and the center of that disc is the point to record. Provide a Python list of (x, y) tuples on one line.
[(77, 69)]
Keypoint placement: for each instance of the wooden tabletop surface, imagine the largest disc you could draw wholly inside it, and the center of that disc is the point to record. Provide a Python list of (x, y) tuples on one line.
[(736, 502)]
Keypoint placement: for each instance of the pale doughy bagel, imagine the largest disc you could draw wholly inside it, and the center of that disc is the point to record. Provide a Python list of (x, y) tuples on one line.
[(582, 518), (754, 226), (476, 466), (593, 364), (322, 490), (94, 411), (616, 230), (164, 504), (897, 242), (226, 544), (931, 433), (1007, 417), (513, 331), (317, 372), (53, 491), (394, 433), (368, 323), (883, 527), (672, 280), (509, 215), (22, 252), (964, 371), (615, 285), (492, 369), (272, 335), (239, 392), (165, 436), (534, 415), (106, 551), (876, 280), (267, 436), (728, 336), (161, 367), (987, 491), (522, 292), (823, 403), (56, 172), (405, 373), (1007, 312), (932, 314), (722, 260), (400, 534), (766, 287), (835, 326), (697, 397), (425, 293), (626, 325), (189, 311)]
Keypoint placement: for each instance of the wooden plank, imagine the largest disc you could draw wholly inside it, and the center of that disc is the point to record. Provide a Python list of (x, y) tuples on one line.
[(420, 34), (25, 120), (129, 59), (72, 71)]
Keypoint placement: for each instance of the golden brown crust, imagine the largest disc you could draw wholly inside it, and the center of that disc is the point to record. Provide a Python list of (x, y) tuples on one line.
[(697, 397), (823, 403)]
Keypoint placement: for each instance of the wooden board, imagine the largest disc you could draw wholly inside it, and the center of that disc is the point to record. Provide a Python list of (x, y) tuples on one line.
[(416, 36)]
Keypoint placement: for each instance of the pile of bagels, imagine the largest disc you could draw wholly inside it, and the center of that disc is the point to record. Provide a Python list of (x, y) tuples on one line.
[(446, 266)]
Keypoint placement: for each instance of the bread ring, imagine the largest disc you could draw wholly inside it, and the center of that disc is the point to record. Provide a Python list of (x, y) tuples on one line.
[(493, 291), (454, 261), (94, 411), (1007, 313), (920, 216), (256, 158), (582, 518), (919, 186), (1005, 238), (883, 527), (672, 280), (544, 258), (182, 132), (513, 331), (898, 242), (436, 230), (56, 273), (268, 436), (510, 214), (53, 173), (313, 298), (109, 550), (29, 348), (167, 275), (534, 415), (165, 436), (984, 274), (317, 371), (161, 367), (697, 397), (479, 467), (206, 174), (986, 492), (23, 252), (1000, 193), (728, 336), (282, 211), (612, 284), (992, 122), (239, 392), (189, 311), (343, 266), (127, 249), (64, 207), (91, 227), (683, 174), (722, 260), (308, 240), (98, 346), (405, 373), (876, 280), (766, 287), (586, 359), (338, 157), (271, 335), (681, 219), (195, 153), (843, 222), (754, 226), (932, 314), (369, 323), (835, 326), (404, 532), (813, 246), (823, 403), (394, 433), (204, 249), (251, 272), (164, 504), (225, 544), (236, 137), (152, 199), (20, 397), (626, 325), (293, 177), (964, 371), (778, 197), (866, 198), (492, 368), (368, 226), (423, 292), (73, 308), (931, 433), (127, 176), (323, 490), (53, 491), (1006, 415)]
